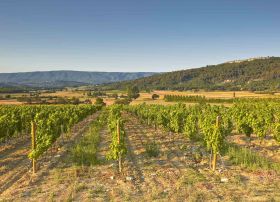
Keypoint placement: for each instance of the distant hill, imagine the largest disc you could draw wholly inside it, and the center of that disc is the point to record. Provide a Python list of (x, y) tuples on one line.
[(57, 79), (256, 74)]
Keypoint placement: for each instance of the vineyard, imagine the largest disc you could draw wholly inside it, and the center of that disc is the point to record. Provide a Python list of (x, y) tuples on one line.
[(149, 152), (203, 99), (261, 119), (50, 122)]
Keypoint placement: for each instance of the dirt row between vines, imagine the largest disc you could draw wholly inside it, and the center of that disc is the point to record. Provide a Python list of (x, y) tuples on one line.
[(174, 175), (15, 166)]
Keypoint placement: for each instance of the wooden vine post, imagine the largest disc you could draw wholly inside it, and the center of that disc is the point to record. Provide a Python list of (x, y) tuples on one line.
[(62, 133), (211, 156), (33, 143), (214, 162), (119, 142)]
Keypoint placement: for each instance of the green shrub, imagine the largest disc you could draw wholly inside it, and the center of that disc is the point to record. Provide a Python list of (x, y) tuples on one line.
[(152, 149)]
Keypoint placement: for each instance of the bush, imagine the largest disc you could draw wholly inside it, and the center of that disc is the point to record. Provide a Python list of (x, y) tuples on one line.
[(99, 101), (133, 92), (8, 96), (155, 96)]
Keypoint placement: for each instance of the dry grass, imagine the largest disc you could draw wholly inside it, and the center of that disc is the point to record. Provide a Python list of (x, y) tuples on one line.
[(147, 97), (10, 102), (217, 94), (77, 94)]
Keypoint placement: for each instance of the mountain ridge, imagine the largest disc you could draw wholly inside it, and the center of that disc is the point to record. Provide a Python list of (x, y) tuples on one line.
[(254, 74), (57, 77)]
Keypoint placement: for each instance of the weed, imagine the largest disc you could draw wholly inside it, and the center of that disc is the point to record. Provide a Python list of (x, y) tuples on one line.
[(84, 153), (156, 193), (58, 175), (250, 159), (197, 197), (189, 178), (96, 191), (51, 197), (80, 187), (70, 198), (239, 179), (152, 149)]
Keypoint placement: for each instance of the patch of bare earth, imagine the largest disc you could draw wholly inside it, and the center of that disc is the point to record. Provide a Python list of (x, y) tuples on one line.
[(13, 162)]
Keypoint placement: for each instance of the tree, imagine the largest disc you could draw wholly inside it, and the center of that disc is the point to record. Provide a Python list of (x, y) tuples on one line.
[(88, 93), (133, 92), (115, 95), (87, 101), (155, 96), (148, 90), (75, 101), (8, 96), (99, 101)]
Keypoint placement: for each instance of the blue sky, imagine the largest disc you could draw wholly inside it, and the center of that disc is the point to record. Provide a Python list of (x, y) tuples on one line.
[(146, 35)]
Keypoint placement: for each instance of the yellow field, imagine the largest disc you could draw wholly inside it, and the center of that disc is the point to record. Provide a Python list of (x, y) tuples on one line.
[(147, 97), (10, 102), (77, 94), (218, 94)]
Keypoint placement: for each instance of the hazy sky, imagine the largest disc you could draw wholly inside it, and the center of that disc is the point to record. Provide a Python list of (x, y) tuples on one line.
[(144, 35)]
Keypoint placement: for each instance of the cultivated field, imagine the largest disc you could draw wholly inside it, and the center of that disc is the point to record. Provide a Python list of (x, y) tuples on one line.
[(158, 164), (144, 97), (147, 97)]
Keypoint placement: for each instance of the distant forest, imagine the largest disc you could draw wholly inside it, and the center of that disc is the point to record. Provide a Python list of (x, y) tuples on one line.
[(261, 74)]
